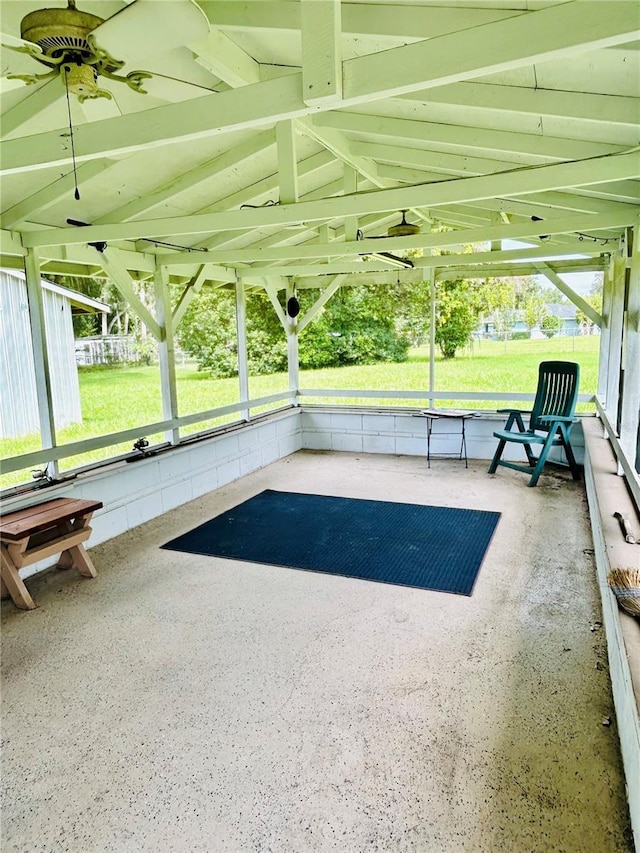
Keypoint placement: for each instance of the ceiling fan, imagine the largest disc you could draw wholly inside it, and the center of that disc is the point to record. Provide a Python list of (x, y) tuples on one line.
[(81, 47), (401, 229)]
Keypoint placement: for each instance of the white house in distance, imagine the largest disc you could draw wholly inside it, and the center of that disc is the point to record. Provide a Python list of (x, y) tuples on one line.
[(19, 407)]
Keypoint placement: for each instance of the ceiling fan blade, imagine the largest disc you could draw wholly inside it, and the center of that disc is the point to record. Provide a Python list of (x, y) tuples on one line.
[(15, 43), (142, 29)]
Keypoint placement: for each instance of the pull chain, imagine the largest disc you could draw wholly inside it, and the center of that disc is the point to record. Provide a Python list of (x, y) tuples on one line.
[(76, 193)]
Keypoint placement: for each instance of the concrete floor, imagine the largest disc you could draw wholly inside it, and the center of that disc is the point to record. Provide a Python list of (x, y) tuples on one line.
[(186, 703)]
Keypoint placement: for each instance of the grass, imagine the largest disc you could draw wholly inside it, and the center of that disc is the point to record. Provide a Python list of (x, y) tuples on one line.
[(115, 399)]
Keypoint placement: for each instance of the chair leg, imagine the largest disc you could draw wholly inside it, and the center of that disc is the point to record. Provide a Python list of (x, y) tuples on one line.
[(530, 455), (571, 459), (496, 456), (541, 460)]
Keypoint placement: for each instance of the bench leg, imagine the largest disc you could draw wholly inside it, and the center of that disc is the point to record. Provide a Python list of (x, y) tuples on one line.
[(4, 592), (80, 560), (14, 583)]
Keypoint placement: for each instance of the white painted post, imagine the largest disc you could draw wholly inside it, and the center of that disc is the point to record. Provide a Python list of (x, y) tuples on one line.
[(40, 354), (612, 396), (292, 350), (605, 334), (241, 331), (630, 409), (432, 336), (166, 351)]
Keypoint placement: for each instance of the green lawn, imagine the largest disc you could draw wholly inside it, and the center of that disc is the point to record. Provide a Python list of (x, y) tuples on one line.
[(116, 399)]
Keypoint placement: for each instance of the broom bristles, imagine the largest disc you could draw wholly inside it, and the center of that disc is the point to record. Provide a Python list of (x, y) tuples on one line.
[(625, 585)]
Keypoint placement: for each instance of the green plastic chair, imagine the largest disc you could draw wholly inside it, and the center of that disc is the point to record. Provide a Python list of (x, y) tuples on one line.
[(550, 423)]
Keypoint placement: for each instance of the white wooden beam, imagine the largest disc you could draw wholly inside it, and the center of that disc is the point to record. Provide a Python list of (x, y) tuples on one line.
[(574, 297), (437, 161), (512, 183), (192, 288), (11, 245), (248, 107), (516, 42), (287, 162), (257, 192), (226, 60), (350, 187), (535, 148), (552, 33), (257, 144), (370, 245), (36, 102), (522, 100), (320, 302), (112, 265), (271, 287), (390, 19), (320, 23), (466, 259)]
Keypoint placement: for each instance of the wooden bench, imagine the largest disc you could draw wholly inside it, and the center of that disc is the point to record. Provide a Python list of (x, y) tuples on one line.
[(35, 533)]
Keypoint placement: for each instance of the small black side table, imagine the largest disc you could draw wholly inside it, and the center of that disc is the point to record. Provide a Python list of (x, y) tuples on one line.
[(433, 415)]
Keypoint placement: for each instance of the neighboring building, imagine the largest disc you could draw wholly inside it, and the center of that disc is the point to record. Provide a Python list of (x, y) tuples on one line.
[(19, 403), (566, 313)]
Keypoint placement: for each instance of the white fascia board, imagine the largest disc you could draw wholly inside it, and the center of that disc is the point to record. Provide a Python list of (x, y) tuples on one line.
[(511, 183), (79, 300)]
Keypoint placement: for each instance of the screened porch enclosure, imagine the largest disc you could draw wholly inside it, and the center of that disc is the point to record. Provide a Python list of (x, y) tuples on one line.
[(289, 151)]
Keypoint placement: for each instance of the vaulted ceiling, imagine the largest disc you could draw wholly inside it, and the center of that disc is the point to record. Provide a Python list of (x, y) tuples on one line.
[(283, 137)]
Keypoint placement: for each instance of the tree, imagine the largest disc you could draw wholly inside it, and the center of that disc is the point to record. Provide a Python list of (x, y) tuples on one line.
[(456, 316), (534, 311), (357, 326), (551, 325)]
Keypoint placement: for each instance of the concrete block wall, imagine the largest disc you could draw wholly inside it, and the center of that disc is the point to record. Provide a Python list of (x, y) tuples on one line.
[(133, 493), (405, 434)]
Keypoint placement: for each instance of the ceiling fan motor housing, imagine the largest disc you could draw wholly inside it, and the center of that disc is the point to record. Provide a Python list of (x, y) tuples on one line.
[(61, 32), (404, 228)]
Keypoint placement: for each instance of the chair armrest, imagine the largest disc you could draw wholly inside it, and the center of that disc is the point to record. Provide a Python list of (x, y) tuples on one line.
[(520, 411), (556, 418)]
